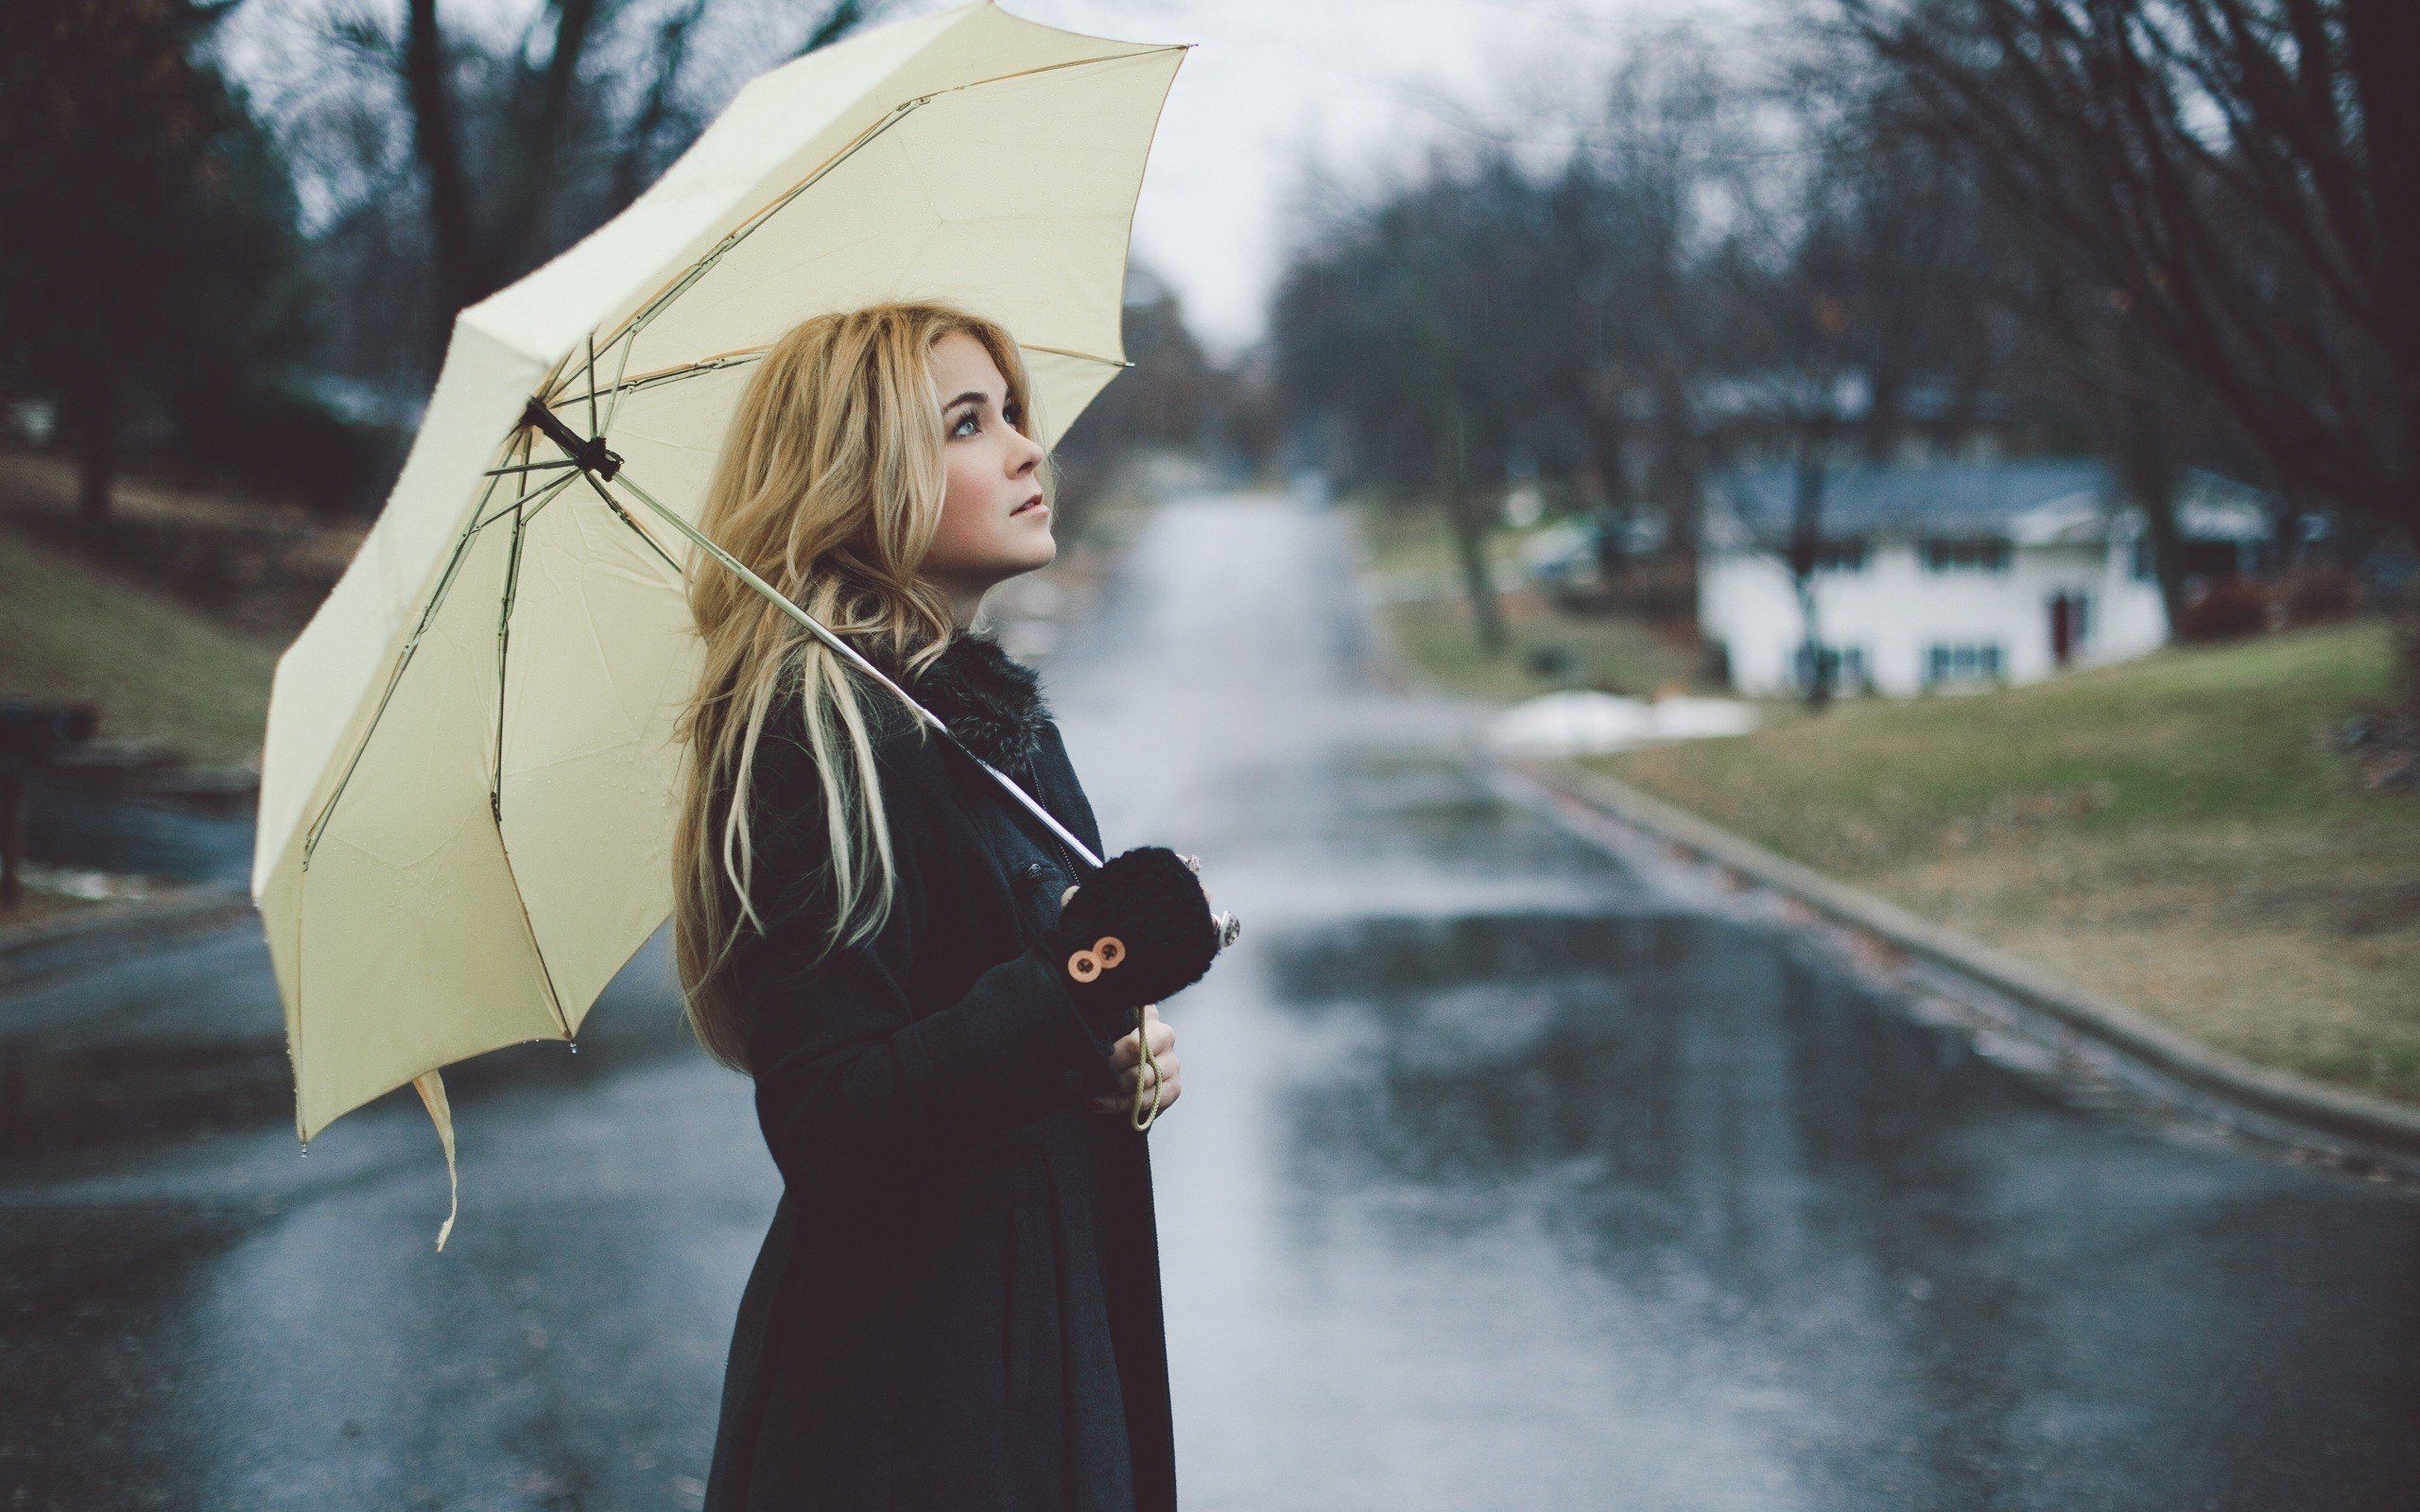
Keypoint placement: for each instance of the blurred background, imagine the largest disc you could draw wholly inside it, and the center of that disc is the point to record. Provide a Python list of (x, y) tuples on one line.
[(1826, 587)]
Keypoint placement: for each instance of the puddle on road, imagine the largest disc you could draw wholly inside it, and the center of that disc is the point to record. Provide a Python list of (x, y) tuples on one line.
[(1762, 1206), (1653, 1064)]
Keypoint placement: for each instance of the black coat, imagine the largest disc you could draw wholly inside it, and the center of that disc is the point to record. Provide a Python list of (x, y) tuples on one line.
[(958, 1306)]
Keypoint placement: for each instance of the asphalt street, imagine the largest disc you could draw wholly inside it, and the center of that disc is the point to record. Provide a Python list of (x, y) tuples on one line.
[(1507, 1177)]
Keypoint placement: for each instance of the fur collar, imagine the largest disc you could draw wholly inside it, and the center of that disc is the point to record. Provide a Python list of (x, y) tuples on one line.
[(991, 701)]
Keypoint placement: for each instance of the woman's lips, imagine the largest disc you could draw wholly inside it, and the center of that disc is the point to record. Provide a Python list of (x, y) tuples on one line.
[(1030, 505)]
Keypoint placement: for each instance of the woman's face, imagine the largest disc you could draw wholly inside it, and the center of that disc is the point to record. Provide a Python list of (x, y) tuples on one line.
[(989, 529)]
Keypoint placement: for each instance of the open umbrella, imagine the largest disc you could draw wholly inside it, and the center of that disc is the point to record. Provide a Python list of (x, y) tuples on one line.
[(469, 783)]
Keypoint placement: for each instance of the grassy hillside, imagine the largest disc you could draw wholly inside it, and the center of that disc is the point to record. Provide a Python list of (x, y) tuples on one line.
[(2174, 832), (69, 628)]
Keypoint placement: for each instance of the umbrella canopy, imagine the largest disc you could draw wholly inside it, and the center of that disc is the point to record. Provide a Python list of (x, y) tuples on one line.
[(469, 780)]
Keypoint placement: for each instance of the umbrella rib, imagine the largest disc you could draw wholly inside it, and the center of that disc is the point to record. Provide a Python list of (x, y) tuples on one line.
[(662, 300), (495, 778), (527, 505), (648, 380), (504, 645), (530, 467), (1081, 356), (615, 504), (621, 368), (403, 658)]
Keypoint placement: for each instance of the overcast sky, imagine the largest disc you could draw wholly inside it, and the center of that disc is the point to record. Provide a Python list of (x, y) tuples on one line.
[(1272, 83)]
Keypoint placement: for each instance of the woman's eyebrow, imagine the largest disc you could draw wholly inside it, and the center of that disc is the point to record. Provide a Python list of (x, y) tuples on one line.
[(978, 398)]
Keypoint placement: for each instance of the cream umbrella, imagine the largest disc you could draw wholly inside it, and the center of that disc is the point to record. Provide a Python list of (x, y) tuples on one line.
[(468, 780)]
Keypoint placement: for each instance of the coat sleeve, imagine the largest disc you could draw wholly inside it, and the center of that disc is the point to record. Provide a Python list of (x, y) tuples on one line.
[(855, 1085)]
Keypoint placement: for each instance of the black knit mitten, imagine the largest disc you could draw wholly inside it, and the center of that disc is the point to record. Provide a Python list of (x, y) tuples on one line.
[(1135, 932)]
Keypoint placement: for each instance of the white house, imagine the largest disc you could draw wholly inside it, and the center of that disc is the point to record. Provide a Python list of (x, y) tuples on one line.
[(1952, 573)]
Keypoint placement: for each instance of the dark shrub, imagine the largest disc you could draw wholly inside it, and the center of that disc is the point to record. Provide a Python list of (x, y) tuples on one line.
[(2316, 592), (2225, 607)]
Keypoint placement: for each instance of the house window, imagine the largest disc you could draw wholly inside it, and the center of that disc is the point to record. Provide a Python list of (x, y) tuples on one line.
[(1986, 555), (1845, 665), (1847, 556), (1962, 661)]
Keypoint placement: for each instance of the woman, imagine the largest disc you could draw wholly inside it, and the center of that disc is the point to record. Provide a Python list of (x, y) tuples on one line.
[(958, 1305)]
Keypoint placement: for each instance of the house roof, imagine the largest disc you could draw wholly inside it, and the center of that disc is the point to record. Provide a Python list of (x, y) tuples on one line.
[(2030, 499)]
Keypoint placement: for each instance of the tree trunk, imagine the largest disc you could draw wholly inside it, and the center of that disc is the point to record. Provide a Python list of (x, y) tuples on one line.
[(91, 421), (1609, 462), (436, 141), (1470, 539), (2148, 473), (2384, 37), (1819, 674), (1678, 476), (1470, 546), (1805, 556), (2407, 649)]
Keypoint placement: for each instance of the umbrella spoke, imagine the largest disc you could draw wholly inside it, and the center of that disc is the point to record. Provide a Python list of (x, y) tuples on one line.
[(662, 376), (624, 515), (495, 772), (527, 505), (855, 658), (402, 659)]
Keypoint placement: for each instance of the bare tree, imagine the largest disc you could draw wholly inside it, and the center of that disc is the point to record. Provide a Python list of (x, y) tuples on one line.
[(2243, 174), (148, 226), (1847, 282), (462, 158)]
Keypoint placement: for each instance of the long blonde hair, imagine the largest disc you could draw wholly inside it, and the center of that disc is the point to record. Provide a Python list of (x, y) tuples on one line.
[(829, 486)]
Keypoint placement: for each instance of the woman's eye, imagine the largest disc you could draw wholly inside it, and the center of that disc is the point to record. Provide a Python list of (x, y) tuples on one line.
[(964, 421)]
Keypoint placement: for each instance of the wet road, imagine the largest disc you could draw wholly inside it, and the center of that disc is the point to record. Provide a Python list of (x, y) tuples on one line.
[(1507, 1177)]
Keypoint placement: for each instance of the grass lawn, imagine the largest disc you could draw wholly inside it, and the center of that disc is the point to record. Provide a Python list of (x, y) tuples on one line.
[(2173, 831), (69, 629), (1411, 559)]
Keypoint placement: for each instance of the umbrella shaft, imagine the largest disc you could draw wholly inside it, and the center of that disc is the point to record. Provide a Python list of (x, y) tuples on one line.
[(856, 658)]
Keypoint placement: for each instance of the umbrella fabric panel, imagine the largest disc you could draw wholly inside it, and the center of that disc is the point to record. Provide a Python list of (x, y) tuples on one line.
[(329, 681), (601, 657), (783, 127), (412, 950), (1010, 197)]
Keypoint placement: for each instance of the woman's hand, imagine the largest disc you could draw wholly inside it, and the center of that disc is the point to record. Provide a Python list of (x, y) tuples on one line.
[(1127, 1056)]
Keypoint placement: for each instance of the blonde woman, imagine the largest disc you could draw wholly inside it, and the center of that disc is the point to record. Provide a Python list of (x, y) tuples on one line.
[(958, 1305)]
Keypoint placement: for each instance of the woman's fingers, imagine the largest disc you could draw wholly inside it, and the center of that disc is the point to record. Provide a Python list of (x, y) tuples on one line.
[(1171, 1087), (1129, 1050), (1126, 1055)]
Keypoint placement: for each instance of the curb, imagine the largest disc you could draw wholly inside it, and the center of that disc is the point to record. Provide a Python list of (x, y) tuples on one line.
[(25, 951), (2384, 1128)]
